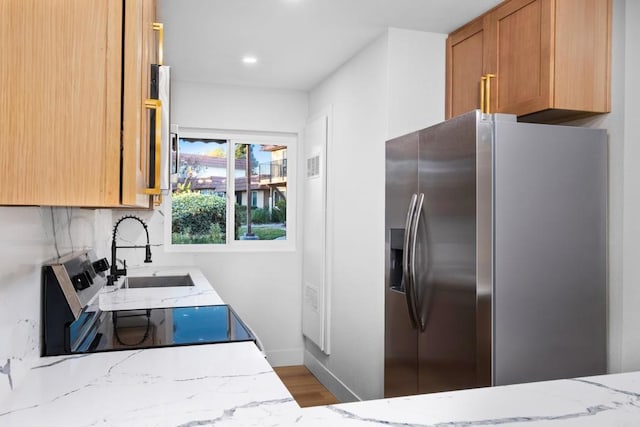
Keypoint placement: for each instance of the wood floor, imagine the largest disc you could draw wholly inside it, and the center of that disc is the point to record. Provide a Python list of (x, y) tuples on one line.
[(304, 387)]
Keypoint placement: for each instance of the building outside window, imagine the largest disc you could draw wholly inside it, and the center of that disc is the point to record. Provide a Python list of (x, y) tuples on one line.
[(233, 191)]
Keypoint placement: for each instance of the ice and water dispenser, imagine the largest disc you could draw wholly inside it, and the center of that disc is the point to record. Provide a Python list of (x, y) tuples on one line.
[(396, 258)]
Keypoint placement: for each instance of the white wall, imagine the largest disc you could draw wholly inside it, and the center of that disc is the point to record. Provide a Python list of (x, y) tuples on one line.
[(394, 86), (416, 75), (357, 93), (26, 242), (630, 339), (237, 108), (263, 287)]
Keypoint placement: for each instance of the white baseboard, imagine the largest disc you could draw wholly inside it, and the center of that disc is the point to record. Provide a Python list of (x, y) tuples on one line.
[(288, 357), (330, 381)]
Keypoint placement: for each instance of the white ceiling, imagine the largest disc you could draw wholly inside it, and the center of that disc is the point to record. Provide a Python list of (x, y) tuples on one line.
[(297, 42)]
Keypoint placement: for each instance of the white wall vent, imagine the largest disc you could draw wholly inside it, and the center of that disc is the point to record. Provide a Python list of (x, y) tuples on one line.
[(313, 166)]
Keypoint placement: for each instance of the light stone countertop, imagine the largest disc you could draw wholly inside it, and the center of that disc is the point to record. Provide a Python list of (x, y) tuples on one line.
[(215, 384), (600, 401), (117, 297), (233, 385)]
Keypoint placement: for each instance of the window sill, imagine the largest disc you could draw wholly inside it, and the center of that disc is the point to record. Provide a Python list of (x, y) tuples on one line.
[(252, 247)]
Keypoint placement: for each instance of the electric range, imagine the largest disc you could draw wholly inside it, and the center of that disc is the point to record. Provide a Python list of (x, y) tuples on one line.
[(72, 321)]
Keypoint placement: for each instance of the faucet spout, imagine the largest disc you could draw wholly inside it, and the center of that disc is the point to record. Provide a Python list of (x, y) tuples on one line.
[(115, 273)]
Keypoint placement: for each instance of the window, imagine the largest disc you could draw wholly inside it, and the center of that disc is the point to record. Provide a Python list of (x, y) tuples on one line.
[(232, 192)]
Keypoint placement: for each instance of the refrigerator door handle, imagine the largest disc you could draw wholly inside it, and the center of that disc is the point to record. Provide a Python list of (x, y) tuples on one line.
[(414, 239), (407, 285)]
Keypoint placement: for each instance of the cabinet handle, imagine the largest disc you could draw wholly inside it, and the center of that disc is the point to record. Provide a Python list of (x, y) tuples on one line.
[(159, 27), (155, 104), (483, 86), (488, 77)]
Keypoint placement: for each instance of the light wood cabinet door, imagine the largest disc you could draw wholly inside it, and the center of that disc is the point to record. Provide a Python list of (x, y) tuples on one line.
[(519, 52), (583, 55), (60, 106), (140, 53), (465, 66)]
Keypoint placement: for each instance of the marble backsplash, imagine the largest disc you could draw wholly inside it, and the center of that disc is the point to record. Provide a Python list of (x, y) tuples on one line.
[(29, 237)]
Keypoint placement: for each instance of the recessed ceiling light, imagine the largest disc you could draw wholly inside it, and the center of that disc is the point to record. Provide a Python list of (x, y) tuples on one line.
[(249, 60)]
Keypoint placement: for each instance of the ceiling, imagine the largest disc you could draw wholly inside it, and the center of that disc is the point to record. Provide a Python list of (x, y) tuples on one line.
[(297, 42)]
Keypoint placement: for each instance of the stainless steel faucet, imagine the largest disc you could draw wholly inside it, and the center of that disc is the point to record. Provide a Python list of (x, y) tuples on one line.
[(116, 272)]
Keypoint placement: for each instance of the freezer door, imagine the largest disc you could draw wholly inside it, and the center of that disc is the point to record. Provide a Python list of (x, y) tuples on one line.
[(401, 352), (446, 279), (550, 252)]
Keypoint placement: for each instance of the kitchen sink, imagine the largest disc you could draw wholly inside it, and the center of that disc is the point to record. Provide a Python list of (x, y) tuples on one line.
[(158, 281)]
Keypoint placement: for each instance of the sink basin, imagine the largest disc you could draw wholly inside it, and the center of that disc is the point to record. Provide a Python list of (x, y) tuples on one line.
[(158, 281)]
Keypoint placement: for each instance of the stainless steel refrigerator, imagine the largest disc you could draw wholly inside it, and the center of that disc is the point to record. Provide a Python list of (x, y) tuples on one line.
[(496, 254)]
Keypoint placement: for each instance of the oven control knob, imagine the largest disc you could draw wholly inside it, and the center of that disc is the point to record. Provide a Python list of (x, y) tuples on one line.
[(82, 281), (101, 265)]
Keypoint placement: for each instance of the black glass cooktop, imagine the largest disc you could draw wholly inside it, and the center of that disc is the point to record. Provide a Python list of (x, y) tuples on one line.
[(156, 327)]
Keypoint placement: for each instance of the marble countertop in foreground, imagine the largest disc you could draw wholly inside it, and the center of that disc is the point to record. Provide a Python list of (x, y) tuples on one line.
[(607, 400), (233, 385), (227, 384)]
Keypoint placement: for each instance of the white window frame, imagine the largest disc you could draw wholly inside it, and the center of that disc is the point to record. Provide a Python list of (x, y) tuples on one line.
[(242, 137)]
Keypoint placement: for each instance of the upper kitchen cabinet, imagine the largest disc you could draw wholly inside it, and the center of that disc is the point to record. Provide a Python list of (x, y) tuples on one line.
[(64, 99), (549, 60), (465, 65)]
